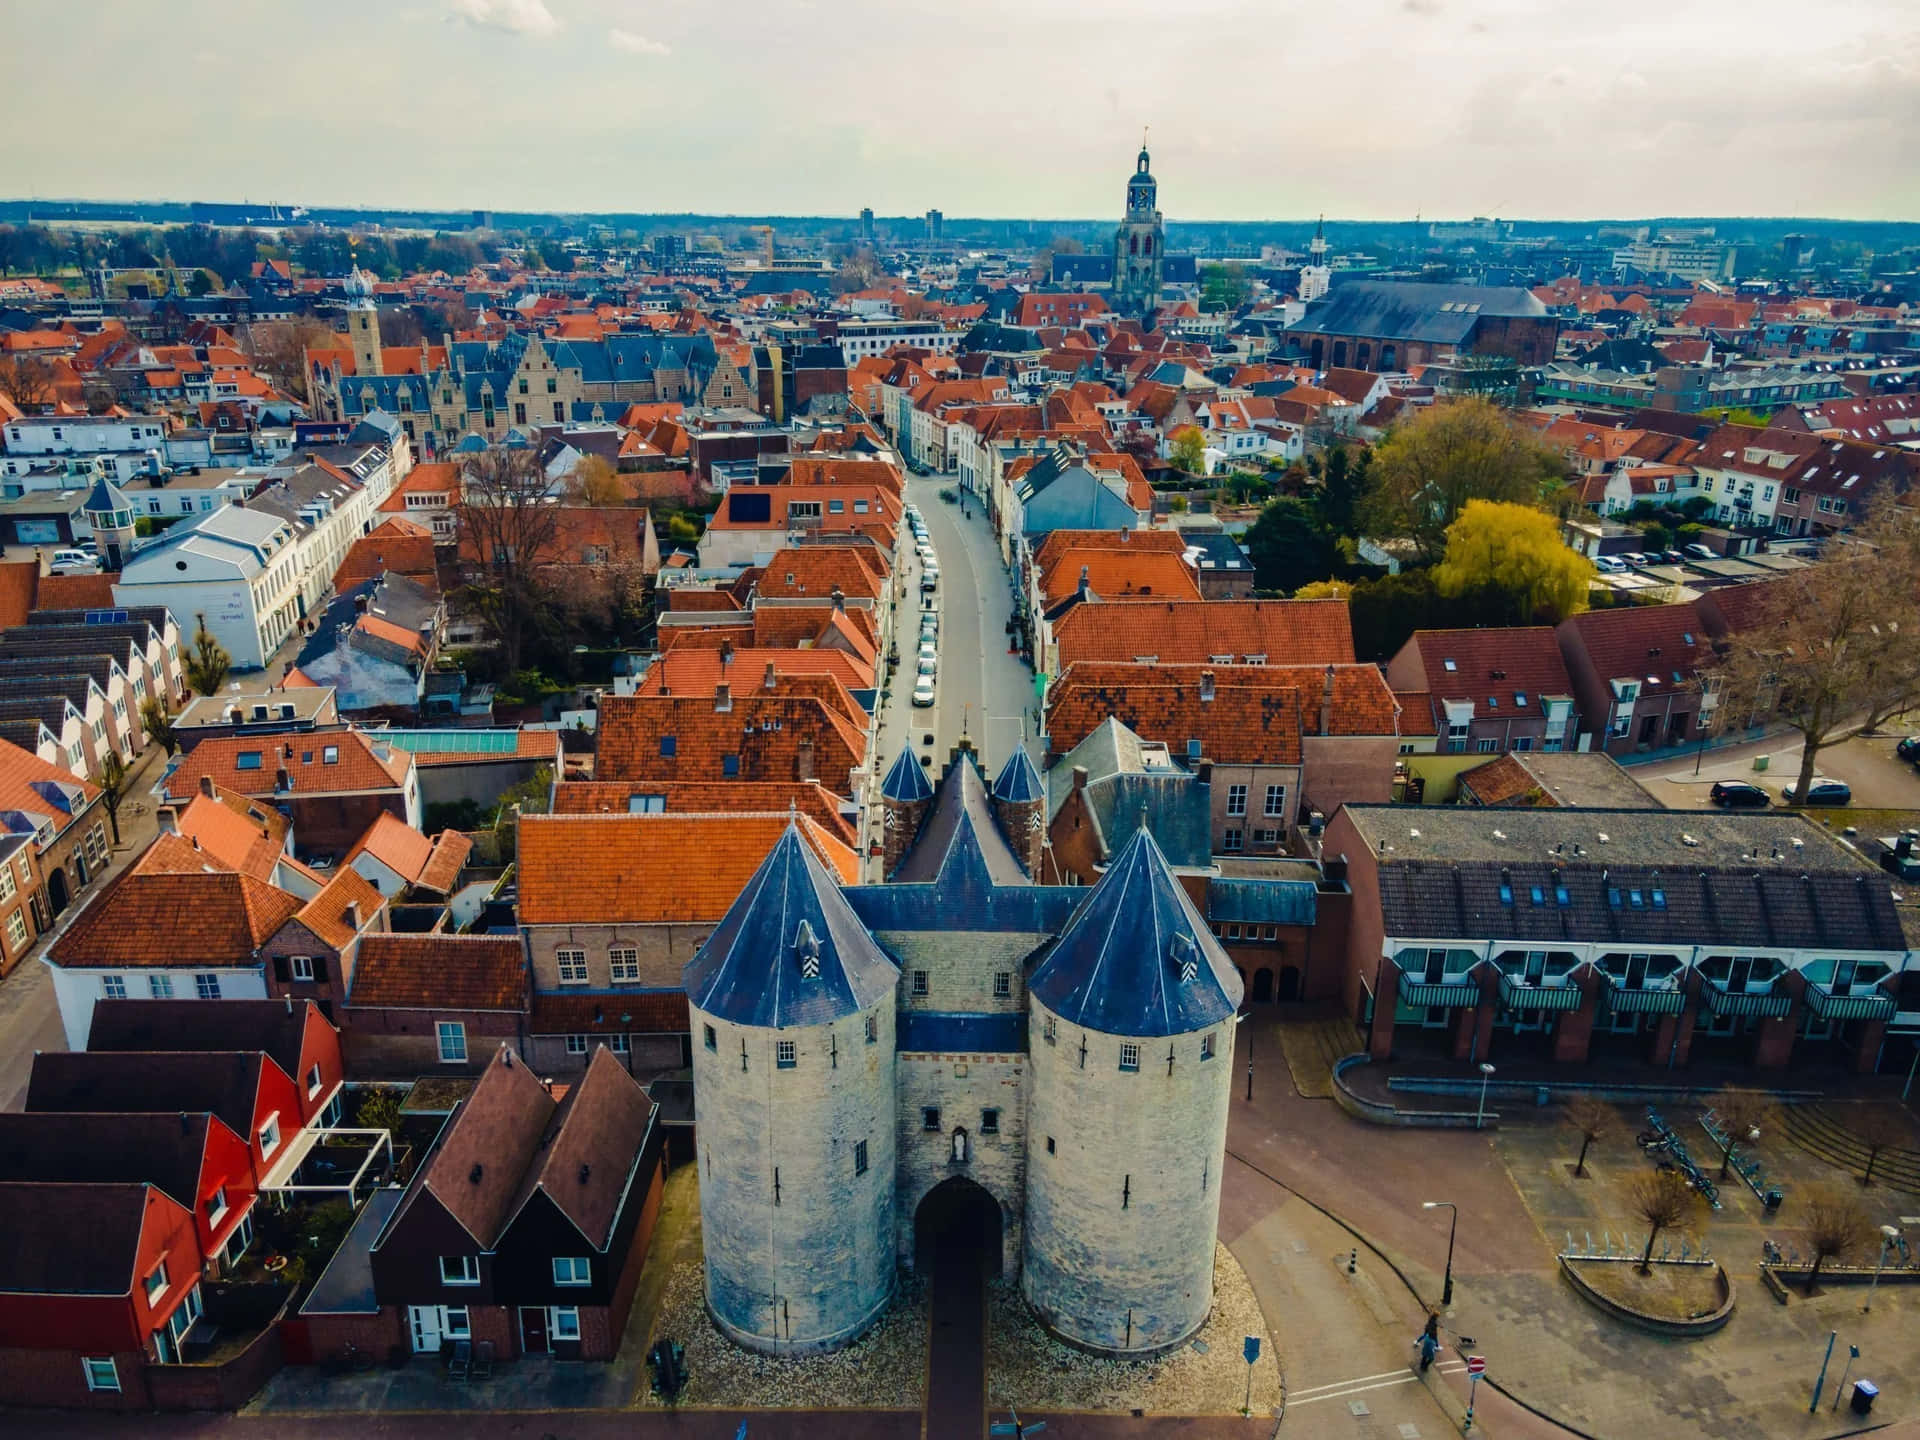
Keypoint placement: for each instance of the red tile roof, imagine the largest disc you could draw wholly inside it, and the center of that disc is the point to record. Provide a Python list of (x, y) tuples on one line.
[(1116, 574), (1658, 645), (326, 913), (358, 767), (172, 915), (440, 972), (1462, 664), (766, 734), (615, 797), (629, 1012), (1286, 632)]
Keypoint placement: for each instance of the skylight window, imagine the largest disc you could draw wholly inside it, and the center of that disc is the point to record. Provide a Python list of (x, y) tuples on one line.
[(1561, 897), (1520, 699), (1449, 665), (1537, 895)]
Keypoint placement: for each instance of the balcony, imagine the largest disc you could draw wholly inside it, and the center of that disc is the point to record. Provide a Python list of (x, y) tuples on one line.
[(1447, 992), (1871, 1005), (1666, 1000), (1519, 994), (1717, 1000)]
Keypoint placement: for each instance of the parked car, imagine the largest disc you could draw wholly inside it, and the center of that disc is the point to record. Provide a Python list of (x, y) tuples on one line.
[(1730, 794), (1821, 792), (1634, 557), (74, 562), (1672, 557), (923, 691), (1609, 565), (1909, 748), (930, 578), (1698, 551)]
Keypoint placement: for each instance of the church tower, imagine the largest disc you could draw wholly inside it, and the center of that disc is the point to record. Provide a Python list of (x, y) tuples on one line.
[(1316, 278), (363, 323), (1139, 246)]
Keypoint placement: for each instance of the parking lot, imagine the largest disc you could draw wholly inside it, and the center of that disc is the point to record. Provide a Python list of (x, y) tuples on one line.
[(1880, 781)]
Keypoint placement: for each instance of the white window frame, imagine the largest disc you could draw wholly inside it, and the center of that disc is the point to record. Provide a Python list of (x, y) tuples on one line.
[(1276, 800), (216, 1206), (160, 986), (451, 1030), (101, 1372), (300, 967), (576, 1044), (562, 1319), (113, 987), (1129, 1055), (447, 1330), (1236, 800), (786, 1054), (623, 964), (572, 964), (206, 985), (466, 1271), (268, 1135), (313, 1080), (572, 1270), (154, 1283)]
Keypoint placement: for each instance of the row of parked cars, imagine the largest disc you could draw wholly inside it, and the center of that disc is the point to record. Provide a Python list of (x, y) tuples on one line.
[(928, 665), (1745, 795), (1643, 559)]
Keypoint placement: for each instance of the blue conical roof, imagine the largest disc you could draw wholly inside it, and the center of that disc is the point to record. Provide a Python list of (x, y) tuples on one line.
[(106, 497), (1136, 958), (1019, 779), (907, 782), (790, 951)]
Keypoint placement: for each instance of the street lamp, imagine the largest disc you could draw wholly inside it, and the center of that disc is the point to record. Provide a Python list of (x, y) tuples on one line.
[(1241, 1019), (1486, 1074), (1446, 1289), (1888, 1235)]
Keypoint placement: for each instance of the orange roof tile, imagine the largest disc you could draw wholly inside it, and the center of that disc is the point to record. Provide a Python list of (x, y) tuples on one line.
[(1286, 632), (440, 972), (651, 869), (1118, 574), (326, 913), (238, 833), (661, 737), (304, 757), (175, 917)]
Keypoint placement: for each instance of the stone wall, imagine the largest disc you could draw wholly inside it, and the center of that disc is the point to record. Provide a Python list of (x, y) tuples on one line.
[(663, 953), (799, 1240), (963, 981), (961, 1086), (1123, 1183)]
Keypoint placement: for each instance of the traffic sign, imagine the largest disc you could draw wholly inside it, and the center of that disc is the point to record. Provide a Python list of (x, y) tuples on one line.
[(1251, 1349), (1476, 1365)]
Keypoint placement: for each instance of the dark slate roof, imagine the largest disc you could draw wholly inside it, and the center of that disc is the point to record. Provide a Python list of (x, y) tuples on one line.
[(1117, 967), (1019, 780), (70, 1239), (907, 781), (1262, 902), (749, 971), (1390, 310), (108, 1148), (927, 1030), (193, 1026), (107, 496), (223, 1081), (960, 829), (1176, 808), (346, 1285)]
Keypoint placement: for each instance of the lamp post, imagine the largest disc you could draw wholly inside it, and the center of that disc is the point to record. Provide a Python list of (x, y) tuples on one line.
[(1241, 1019), (1446, 1288), (1486, 1074), (1888, 1234)]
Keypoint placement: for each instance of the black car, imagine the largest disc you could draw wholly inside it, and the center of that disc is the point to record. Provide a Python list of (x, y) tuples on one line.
[(1821, 792), (1909, 748), (1731, 793)]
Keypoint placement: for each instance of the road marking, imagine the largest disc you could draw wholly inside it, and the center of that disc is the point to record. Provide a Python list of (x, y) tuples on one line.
[(1358, 1390), (1343, 1384)]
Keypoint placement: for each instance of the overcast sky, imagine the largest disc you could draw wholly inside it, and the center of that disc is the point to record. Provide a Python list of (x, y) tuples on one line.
[(1372, 109)]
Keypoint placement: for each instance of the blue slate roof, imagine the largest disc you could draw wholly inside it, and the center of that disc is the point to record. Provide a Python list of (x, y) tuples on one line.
[(931, 1030), (106, 497), (1177, 809), (959, 833), (1262, 902), (790, 951), (1019, 781), (907, 781), (1136, 958), (1395, 310)]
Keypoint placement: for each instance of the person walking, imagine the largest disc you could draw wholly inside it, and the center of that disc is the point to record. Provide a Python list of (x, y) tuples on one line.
[(1429, 1343)]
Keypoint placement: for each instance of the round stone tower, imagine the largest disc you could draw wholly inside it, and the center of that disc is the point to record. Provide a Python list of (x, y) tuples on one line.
[(1131, 1041), (1020, 808), (792, 1010), (905, 797)]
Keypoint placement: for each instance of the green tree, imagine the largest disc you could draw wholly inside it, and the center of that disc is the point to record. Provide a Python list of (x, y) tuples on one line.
[(1429, 467), (1657, 536), (1289, 547), (1224, 287), (112, 780), (1188, 451), (208, 663), (158, 724), (1342, 483), (1516, 552)]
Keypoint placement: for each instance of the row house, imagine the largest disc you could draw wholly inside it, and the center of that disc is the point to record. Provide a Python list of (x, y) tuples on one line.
[(523, 1233), (755, 521), (1479, 693), (103, 682), (142, 641), (1575, 934), (62, 824), (611, 918), (1209, 632)]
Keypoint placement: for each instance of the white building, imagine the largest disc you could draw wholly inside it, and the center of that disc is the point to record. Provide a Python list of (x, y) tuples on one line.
[(238, 567)]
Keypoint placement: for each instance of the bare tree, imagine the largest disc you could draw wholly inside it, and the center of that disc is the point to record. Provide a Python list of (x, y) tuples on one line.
[(208, 662), (1593, 1118), (508, 526), (1879, 1128), (1739, 1112), (400, 327), (112, 780), (1663, 1200), (28, 379), (1833, 653), (595, 481), (278, 349), (1837, 1225)]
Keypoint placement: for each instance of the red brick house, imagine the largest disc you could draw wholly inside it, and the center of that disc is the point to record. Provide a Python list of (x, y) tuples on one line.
[(295, 1035), (425, 1003), (332, 784)]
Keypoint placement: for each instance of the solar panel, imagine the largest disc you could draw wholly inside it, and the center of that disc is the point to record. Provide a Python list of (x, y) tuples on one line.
[(105, 617), (454, 742)]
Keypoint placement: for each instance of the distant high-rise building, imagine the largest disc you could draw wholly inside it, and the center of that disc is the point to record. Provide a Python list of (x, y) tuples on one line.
[(936, 226), (668, 250), (483, 220), (1139, 246), (866, 225)]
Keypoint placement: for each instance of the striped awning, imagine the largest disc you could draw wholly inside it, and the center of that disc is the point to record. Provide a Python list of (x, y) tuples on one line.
[(1518, 995), (1726, 1002), (1828, 1006)]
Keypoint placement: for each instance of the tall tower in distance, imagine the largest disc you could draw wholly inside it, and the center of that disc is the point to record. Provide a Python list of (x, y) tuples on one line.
[(1139, 245), (1316, 277), (363, 323)]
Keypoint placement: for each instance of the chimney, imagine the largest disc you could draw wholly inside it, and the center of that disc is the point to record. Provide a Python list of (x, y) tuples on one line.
[(1079, 777), (352, 916), (839, 600), (1326, 704), (768, 681), (1206, 684), (726, 655), (1085, 589), (803, 760), (722, 699), (208, 788), (169, 819)]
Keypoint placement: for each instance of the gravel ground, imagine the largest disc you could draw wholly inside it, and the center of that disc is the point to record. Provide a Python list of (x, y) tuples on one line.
[(1028, 1368), (884, 1370)]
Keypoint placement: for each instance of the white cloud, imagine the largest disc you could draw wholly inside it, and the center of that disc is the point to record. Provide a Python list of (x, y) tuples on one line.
[(636, 44), (519, 17)]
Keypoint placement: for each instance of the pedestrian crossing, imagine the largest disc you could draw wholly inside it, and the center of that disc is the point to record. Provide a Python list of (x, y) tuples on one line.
[(1361, 1384)]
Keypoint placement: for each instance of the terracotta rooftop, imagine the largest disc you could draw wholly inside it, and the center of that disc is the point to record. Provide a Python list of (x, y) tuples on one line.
[(1198, 632), (440, 972), (175, 918), (671, 737), (249, 764), (1119, 574)]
